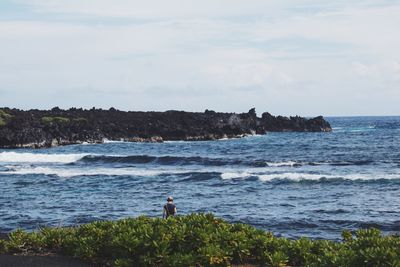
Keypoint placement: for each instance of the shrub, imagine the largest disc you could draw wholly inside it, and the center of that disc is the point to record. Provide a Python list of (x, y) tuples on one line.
[(4, 117), (202, 240), (50, 120), (4, 114)]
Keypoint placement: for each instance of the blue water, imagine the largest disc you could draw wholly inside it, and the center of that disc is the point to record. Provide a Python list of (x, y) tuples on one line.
[(293, 184)]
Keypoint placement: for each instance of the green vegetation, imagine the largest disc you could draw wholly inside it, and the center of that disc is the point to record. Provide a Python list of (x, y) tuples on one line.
[(62, 120), (202, 240), (48, 120), (80, 120), (4, 117), (4, 114)]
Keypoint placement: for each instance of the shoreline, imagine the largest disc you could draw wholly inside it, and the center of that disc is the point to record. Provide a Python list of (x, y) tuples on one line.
[(57, 127), (152, 139)]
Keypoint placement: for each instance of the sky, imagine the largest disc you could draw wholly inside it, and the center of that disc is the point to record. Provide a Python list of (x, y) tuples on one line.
[(287, 57)]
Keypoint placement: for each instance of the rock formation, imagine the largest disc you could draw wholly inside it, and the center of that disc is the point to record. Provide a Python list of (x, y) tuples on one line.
[(47, 128)]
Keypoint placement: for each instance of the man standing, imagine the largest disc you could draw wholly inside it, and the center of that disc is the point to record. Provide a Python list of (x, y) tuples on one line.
[(169, 208)]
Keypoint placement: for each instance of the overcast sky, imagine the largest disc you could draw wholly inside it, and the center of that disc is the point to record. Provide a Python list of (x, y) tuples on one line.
[(305, 57)]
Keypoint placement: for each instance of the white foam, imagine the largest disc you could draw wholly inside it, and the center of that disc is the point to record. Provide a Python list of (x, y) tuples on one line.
[(297, 176), (107, 141), (65, 173), (370, 176), (235, 175), (37, 158), (256, 135), (282, 164), (270, 177), (293, 176)]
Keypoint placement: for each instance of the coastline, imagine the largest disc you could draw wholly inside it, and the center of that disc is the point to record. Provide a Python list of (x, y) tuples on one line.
[(57, 127)]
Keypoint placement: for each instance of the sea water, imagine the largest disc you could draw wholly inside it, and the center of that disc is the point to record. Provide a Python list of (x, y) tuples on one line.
[(293, 184)]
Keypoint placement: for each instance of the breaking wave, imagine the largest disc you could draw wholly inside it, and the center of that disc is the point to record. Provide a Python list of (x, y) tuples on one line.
[(162, 160), (15, 157), (284, 164), (297, 176), (223, 173), (197, 160), (65, 173)]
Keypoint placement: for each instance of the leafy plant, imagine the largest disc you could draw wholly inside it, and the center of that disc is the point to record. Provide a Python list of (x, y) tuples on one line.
[(202, 240), (4, 114), (49, 120), (4, 117)]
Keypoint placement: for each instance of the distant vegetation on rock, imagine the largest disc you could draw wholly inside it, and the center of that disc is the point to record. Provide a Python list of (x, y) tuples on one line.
[(47, 128)]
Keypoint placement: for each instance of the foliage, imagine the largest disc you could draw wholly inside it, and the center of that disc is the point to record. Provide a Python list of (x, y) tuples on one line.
[(4, 117), (49, 120), (202, 240), (4, 114)]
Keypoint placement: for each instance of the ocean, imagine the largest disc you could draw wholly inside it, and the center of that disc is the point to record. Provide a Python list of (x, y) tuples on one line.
[(292, 184)]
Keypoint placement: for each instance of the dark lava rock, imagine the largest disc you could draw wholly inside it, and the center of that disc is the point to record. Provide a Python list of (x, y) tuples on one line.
[(294, 124), (47, 128)]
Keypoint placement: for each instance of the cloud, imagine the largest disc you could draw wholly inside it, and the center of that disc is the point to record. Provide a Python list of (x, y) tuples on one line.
[(155, 8), (226, 55), (192, 8)]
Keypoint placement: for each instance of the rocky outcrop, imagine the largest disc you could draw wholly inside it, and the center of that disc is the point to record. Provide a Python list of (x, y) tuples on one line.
[(294, 124), (47, 128)]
